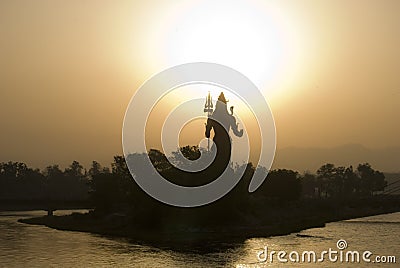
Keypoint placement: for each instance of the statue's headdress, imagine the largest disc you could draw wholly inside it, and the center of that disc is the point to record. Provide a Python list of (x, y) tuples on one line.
[(222, 98)]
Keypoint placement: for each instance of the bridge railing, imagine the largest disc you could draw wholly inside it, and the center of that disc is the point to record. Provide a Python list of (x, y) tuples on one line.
[(392, 188)]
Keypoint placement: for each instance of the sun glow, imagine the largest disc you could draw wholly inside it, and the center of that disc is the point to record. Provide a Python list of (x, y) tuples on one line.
[(248, 36)]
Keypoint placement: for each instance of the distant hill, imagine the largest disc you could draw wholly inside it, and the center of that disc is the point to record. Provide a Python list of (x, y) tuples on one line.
[(302, 159)]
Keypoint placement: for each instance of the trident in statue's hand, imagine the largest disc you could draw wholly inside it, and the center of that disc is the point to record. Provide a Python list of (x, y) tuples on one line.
[(208, 108)]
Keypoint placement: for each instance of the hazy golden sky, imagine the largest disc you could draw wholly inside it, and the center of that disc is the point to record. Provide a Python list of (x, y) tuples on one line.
[(329, 69)]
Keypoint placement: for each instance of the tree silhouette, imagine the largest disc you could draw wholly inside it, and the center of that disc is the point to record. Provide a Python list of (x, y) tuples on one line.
[(70, 184), (309, 185), (282, 186), (371, 180)]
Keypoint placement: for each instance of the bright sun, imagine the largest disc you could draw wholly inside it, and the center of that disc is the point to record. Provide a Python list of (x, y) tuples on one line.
[(250, 37)]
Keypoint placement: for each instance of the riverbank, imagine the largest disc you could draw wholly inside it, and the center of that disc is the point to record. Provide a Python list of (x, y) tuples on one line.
[(27, 205), (273, 221)]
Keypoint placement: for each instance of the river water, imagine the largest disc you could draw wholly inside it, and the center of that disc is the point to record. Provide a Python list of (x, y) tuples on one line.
[(23, 245)]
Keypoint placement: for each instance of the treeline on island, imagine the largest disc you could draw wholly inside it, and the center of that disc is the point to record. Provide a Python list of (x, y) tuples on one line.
[(20, 182), (286, 202), (113, 188)]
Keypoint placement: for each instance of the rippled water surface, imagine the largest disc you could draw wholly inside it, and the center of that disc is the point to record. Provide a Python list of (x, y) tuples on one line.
[(23, 245)]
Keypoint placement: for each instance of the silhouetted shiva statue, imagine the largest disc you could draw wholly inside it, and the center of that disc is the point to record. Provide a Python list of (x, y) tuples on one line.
[(221, 121)]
